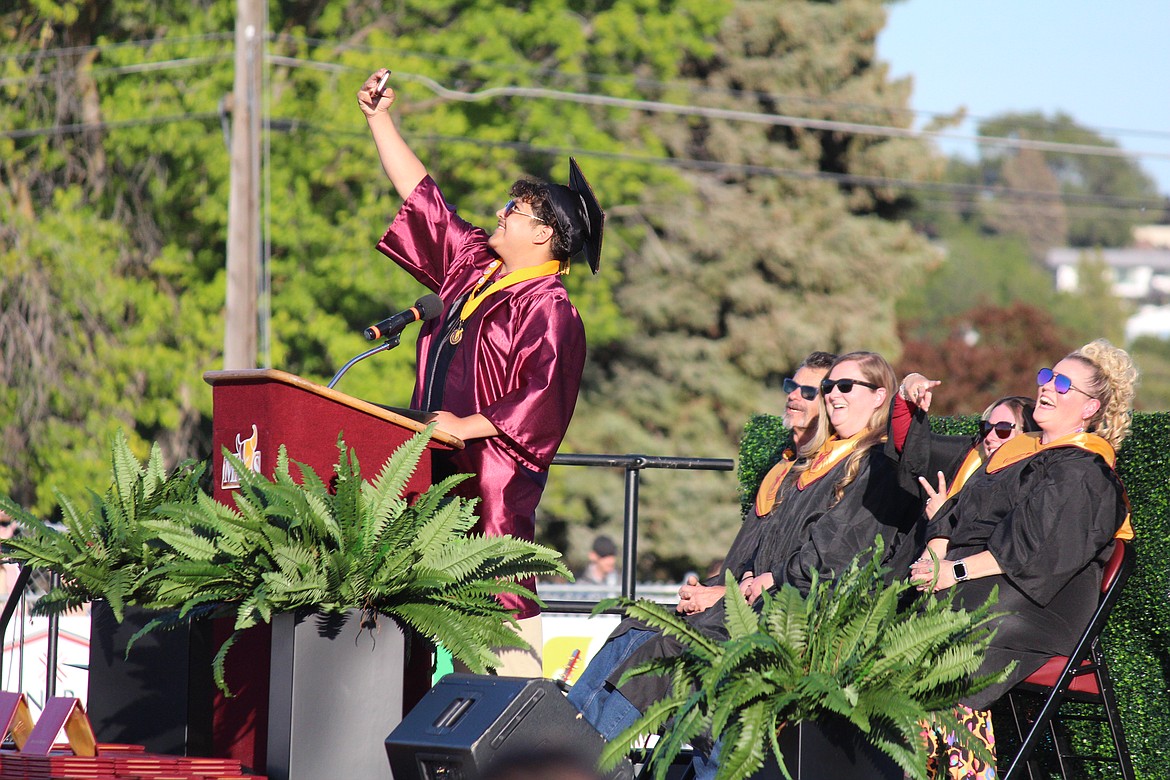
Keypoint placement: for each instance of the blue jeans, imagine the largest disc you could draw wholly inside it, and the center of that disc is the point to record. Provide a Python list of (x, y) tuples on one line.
[(603, 706), (705, 767)]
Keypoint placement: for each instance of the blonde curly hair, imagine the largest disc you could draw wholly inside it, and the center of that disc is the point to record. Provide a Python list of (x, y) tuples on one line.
[(1114, 382)]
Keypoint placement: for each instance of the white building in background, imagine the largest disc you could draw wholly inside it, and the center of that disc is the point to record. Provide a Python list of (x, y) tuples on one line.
[(1140, 274), (1152, 236)]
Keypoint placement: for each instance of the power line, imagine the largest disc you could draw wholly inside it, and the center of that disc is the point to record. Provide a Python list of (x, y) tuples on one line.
[(641, 83), (86, 127), (144, 43), (118, 70), (710, 112), (681, 163)]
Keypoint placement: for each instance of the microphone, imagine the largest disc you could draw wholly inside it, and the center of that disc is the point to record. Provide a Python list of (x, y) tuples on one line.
[(425, 308)]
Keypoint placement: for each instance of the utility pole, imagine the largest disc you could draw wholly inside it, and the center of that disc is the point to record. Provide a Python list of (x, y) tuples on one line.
[(243, 244)]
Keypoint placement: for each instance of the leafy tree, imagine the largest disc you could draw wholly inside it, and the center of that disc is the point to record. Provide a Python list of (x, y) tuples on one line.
[(972, 269), (986, 353), (1041, 222), (1078, 174)]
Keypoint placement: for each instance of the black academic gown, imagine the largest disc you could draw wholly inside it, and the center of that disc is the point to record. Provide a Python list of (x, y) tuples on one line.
[(808, 530), (1049, 520), (926, 453)]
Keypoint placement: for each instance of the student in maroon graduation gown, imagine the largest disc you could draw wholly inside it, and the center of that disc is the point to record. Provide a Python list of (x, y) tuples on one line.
[(1039, 519), (501, 368)]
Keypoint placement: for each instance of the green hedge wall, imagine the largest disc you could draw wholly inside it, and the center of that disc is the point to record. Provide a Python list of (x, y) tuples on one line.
[(1137, 639)]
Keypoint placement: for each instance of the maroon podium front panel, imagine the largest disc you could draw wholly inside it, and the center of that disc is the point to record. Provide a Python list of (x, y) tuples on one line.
[(252, 420)]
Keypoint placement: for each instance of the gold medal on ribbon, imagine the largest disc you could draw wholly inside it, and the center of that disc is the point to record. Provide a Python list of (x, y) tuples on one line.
[(476, 297)]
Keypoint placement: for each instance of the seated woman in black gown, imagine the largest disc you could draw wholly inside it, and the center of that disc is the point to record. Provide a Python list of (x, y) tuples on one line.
[(1038, 520)]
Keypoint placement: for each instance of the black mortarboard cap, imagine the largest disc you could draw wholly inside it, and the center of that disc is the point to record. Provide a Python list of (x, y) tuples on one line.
[(579, 216)]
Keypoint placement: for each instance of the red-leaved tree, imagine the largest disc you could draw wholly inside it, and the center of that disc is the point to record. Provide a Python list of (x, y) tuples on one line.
[(987, 352)]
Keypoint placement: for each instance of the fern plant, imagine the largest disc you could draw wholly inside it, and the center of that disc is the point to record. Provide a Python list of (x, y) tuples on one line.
[(847, 651), (104, 549), (292, 545)]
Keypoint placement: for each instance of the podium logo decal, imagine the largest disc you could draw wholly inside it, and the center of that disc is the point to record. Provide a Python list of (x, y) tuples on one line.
[(247, 450)]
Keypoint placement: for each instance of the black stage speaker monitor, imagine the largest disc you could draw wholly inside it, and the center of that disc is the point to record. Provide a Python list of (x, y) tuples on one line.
[(468, 721)]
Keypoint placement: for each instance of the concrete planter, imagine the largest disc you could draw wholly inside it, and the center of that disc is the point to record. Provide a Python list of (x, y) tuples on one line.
[(335, 693)]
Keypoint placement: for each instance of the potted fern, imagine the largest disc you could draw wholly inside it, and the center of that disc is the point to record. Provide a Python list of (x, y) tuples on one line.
[(848, 667), (346, 549)]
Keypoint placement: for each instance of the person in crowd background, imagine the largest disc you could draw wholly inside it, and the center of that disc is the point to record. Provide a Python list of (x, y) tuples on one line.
[(602, 566), (502, 367), (1036, 524)]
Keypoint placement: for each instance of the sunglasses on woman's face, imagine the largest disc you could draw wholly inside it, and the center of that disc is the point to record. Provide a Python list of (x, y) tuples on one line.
[(844, 385), (1003, 429), (1061, 382), (807, 392)]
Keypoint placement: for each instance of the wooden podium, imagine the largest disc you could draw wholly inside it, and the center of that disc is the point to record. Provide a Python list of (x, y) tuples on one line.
[(255, 412)]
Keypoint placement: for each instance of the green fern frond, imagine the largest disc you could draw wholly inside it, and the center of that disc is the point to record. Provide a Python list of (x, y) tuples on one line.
[(744, 755), (390, 483), (843, 651), (739, 618)]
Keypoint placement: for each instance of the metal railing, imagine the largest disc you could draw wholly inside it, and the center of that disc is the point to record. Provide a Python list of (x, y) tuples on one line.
[(633, 466), (15, 596)]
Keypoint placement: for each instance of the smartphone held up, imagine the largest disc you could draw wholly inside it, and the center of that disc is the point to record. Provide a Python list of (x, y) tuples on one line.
[(381, 88)]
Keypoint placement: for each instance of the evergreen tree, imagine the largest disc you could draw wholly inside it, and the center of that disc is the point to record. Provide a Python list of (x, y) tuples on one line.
[(764, 255)]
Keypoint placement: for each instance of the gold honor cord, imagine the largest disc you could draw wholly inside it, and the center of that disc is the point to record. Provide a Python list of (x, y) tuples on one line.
[(476, 298)]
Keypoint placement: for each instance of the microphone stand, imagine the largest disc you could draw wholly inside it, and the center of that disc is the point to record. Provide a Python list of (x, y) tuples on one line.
[(391, 342)]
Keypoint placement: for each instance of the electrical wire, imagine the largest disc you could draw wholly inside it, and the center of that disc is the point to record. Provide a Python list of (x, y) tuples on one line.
[(862, 128), (682, 163)]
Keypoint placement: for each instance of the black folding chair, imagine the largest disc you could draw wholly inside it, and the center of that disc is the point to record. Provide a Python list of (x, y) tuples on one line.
[(1081, 677)]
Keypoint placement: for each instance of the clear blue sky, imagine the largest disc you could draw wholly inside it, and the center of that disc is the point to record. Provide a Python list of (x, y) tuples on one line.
[(1104, 62)]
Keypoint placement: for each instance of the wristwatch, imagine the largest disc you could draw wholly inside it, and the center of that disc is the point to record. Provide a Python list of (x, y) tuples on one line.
[(959, 568)]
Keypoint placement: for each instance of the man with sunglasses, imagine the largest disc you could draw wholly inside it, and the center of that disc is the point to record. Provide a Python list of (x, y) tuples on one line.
[(801, 410), (502, 367)]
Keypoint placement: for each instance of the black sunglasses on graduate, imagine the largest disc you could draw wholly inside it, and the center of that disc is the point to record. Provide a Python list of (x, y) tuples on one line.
[(807, 392), (1003, 429), (844, 385)]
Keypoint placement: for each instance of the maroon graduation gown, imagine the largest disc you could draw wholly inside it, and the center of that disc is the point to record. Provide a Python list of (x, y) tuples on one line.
[(519, 364)]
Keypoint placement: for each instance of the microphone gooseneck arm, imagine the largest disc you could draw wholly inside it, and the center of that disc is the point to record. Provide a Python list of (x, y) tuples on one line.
[(425, 308), (390, 343)]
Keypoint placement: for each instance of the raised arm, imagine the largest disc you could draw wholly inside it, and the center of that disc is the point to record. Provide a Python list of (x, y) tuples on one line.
[(402, 166)]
